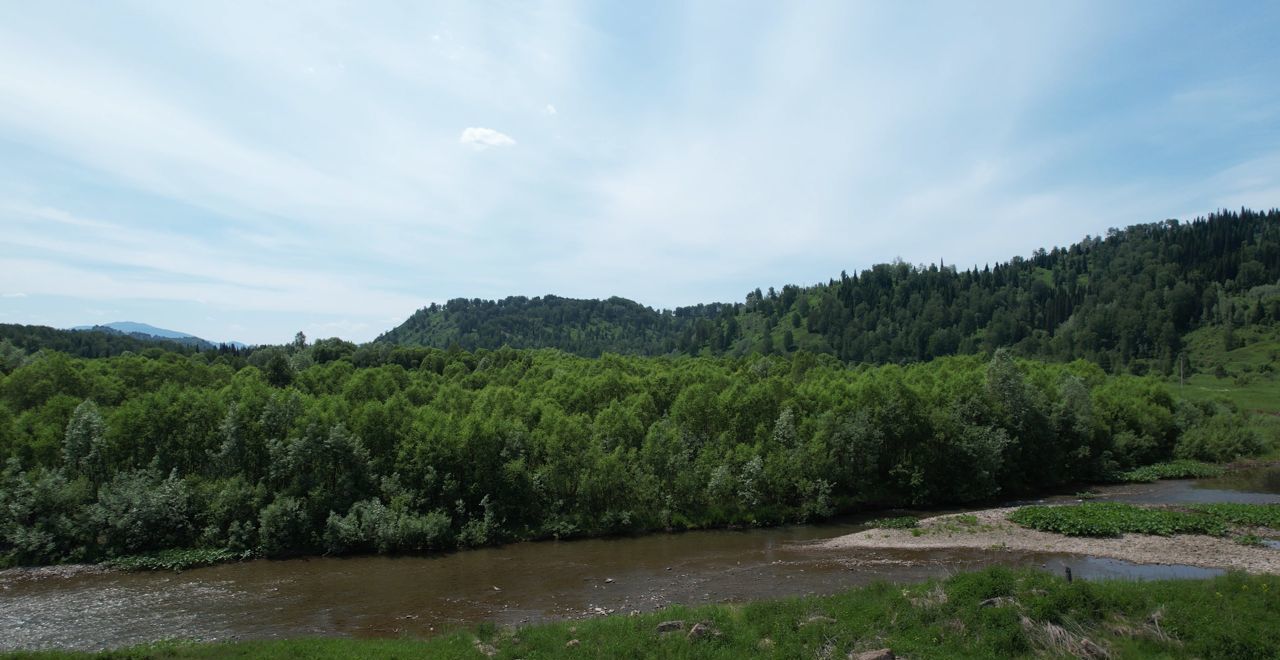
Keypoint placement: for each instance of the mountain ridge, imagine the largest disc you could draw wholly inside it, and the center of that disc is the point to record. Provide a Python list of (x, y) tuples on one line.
[(1124, 298), (148, 332)]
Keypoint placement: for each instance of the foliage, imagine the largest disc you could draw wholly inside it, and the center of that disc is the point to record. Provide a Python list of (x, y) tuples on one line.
[(585, 327), (901, 522), (177, 560), (1251, 540), (1114, 519), (1225, 437), (1179, 469), (138, 511), (995, 613), (457, 449), (98, 342), (1252, 515)]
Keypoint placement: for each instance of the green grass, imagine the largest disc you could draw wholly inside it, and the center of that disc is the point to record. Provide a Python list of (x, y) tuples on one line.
[(1250, 374), (901, 522), (1114, 519), (1181, 469), (995, 613), (1255, 395)]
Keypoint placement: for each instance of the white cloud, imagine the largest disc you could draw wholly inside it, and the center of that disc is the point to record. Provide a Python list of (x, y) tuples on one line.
[(550, 110), (13, 295), (483, 138)]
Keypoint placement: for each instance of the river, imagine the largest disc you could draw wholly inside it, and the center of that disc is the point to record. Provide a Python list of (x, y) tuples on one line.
[(518, 583)]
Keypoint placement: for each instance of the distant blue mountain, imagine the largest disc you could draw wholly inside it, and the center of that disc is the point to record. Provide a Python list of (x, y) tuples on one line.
[(147, 331), (130, 327)]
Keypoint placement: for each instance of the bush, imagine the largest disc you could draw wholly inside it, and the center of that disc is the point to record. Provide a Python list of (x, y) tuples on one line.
[(372, 527), (283, 528), (42, 519), (137, 512), (1223, 437)]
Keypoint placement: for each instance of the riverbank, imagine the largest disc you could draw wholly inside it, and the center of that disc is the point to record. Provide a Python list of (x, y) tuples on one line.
[(990, 529), (994, 613)]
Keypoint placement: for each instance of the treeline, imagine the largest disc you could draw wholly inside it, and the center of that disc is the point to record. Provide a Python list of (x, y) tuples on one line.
[(1124, 301), (19, 341), (307, 452), (582, 327)]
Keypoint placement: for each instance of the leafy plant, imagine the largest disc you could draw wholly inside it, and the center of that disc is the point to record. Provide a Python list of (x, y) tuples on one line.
[(901, 522), (1113, 519)]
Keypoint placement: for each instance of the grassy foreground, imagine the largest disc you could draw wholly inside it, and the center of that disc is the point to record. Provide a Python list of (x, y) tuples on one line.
[(995, 613)]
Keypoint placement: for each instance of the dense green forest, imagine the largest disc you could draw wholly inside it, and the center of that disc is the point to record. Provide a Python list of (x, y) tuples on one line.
[(583, 327), (17, 341), (1124, 301), (310, 452)]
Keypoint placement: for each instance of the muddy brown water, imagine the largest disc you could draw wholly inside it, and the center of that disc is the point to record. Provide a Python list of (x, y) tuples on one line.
[(519, 583)]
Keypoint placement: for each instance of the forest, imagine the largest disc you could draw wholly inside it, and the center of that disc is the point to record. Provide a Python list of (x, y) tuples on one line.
[(133, 454), (1124, 301)]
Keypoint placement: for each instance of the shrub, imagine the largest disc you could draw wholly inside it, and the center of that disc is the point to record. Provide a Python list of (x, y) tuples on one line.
[(1223, 437), (137, 511), (283, 528)]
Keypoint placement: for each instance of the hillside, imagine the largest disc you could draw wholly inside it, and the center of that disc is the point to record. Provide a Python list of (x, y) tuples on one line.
[(583, 327), (18, 340), (1126, 300)]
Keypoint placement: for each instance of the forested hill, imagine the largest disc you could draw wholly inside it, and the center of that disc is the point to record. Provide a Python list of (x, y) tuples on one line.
[(1123, 300), (19, 340), (583, 327)]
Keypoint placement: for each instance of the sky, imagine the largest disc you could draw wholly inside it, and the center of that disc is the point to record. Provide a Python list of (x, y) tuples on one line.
[(243, 171)]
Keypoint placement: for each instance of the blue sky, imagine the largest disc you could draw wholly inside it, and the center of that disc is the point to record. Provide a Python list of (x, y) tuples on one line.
[(245, 170)]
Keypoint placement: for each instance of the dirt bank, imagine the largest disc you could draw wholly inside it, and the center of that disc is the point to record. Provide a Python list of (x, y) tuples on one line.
[(992, 531)]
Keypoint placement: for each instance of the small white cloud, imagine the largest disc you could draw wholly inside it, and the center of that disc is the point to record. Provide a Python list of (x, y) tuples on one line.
[(483, 138), (550, 110), (13, 295)]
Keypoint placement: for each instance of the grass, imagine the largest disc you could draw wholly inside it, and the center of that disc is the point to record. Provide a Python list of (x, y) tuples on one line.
[(1180, 469), (901, 522), (994, 613), (1249, 375), (1114, 519)]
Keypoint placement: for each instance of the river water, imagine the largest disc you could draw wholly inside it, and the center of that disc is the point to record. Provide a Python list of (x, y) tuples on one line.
[(519, 583)]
